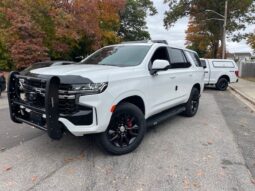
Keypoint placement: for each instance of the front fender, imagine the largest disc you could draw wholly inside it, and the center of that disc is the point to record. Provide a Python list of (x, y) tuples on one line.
[(127, 94)]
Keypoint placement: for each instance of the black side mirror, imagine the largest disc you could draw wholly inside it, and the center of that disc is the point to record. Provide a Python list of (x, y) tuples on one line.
[(203, 63)]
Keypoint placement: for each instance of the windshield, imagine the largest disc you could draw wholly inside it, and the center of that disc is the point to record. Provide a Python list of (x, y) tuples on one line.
[(119, 55)]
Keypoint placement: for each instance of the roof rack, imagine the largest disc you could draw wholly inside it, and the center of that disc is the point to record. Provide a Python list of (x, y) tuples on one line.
[(146, 41), (160, 41)]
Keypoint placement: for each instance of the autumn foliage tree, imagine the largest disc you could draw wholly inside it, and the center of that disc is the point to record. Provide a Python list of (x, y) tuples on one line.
[(251, 40), (240, 13), (36, 30)]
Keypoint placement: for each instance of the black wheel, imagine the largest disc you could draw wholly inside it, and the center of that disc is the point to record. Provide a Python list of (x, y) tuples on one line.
[(0, 91), (222, 84), (193, 103), (125, 131)]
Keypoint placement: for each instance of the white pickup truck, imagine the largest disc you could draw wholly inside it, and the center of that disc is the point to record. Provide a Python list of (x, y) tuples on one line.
[(220, 72), (115, 93)]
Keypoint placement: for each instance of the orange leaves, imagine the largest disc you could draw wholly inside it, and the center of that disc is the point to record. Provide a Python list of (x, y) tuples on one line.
[(36, 30), (251, 40)]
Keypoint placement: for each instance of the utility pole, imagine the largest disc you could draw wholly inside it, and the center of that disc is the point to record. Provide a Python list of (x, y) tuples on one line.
[(224, 30), (223, 18)]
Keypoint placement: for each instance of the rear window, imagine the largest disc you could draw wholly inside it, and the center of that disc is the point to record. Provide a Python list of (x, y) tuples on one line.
[(223, 64)]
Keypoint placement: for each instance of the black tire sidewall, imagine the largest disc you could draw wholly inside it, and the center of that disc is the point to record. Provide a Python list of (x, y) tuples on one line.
[(218, 85), (103, 140), (188, 112)]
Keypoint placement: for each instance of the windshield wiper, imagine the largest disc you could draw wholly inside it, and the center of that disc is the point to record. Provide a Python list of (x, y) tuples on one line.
[(109, 65)]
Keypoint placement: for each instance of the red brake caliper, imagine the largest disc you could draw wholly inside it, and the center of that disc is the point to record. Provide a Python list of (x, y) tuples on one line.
[(129, 123)]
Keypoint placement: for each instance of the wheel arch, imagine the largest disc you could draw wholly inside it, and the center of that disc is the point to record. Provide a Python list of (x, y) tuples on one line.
[(224, 76), (198, 86), (136, 100)]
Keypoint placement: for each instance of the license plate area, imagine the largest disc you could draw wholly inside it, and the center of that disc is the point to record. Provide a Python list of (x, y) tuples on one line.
[(37, 118)]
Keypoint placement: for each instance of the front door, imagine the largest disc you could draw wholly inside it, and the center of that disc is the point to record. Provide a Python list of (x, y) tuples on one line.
[(161, 87)]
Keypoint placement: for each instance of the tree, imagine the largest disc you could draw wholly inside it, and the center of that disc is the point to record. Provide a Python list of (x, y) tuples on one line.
[(36, 30), (196, 38), (251, 41), (22, 39), (239, 14), (133, 20)]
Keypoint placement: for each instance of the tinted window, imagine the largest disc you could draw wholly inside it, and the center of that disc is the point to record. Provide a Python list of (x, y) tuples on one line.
[(177, 58), (160, 54), (126, 55), (195, 58)]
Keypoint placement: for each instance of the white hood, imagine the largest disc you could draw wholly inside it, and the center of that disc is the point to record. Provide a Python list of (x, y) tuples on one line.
[(96, 73)]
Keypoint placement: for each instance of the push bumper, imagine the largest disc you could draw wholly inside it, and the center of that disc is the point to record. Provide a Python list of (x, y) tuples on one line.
[(45, 118)]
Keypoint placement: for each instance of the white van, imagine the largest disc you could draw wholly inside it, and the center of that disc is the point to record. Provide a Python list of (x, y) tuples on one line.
[(220, 72)]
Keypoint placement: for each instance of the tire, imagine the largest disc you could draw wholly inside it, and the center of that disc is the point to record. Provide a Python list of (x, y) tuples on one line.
[(125, 131), (222, 84), (193, 103)]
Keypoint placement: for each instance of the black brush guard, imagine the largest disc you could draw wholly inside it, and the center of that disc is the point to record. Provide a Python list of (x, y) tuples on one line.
[(18, 106)]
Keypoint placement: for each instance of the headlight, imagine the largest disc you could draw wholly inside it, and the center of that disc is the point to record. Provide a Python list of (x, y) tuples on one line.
[(91, 88)]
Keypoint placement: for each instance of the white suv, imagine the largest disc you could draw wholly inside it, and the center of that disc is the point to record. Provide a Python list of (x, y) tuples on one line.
[(115, 93)]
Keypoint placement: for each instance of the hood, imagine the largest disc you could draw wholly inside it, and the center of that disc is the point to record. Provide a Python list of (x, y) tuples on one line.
[(96, 73)]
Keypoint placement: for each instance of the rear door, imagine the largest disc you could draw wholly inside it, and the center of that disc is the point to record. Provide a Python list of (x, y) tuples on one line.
[(183, 74)]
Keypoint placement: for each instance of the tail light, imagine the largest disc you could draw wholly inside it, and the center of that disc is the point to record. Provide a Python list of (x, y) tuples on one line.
[(237, 73)]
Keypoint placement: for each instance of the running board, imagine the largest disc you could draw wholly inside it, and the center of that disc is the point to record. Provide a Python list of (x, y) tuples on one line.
[(164, 115)]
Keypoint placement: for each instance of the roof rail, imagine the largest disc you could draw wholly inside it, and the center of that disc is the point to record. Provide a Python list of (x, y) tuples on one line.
[(138, 41), (146, 41), (160, 41)]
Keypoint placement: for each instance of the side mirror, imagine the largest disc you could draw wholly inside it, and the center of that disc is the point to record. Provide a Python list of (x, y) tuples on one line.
[(159, 65), (203, 63)]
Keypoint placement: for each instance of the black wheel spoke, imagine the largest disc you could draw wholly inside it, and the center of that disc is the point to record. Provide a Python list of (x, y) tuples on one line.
[(121, 141), (126, 140), (133, 134), (134, 127), (124, 130), (114, 137)]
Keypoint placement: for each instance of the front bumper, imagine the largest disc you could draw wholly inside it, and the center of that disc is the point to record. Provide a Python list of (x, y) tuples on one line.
[(54, 115), (45, 118)]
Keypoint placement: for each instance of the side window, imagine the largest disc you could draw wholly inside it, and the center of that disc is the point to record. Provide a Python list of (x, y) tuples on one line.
[(160, 54), (203, 63), (194, 58), (177, 58)]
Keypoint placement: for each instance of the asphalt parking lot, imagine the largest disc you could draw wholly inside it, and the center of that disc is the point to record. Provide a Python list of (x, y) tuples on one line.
[(212, 151)]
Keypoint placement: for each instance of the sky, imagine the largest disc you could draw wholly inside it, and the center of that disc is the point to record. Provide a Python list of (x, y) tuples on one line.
[(176, 34)]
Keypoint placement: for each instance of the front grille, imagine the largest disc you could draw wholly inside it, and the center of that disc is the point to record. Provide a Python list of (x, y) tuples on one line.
[(34, 91)]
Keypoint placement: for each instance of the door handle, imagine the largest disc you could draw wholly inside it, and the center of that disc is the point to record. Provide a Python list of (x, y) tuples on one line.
[(190, 75), (173, 77), (206, 72)]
